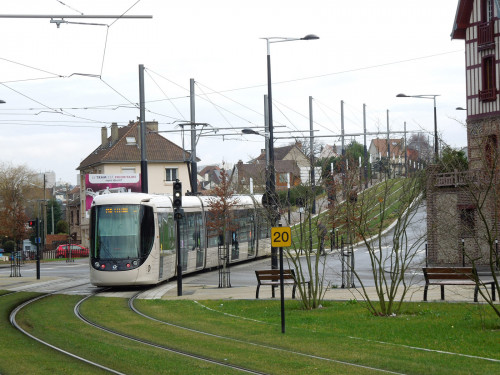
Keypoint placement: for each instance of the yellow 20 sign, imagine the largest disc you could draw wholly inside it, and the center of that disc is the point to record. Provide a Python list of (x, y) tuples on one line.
[(281, 237)]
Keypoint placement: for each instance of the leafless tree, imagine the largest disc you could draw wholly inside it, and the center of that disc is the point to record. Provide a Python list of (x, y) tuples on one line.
[(221, 221), (16, 185), (364, 217)]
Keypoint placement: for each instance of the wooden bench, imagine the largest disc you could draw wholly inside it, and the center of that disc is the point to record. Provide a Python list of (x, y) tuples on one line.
[(272, 278), (455, 276)]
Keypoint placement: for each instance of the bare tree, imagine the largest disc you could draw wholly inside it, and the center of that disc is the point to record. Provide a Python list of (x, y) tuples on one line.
[(15, 187), (364, 217), (420, 143), (221, 221), (305, 256)]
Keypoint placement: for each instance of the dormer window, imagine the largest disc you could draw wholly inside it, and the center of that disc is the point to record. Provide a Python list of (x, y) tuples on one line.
[(130, 141)]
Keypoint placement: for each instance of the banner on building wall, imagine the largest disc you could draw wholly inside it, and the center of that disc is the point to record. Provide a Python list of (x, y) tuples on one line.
[(98, 184)]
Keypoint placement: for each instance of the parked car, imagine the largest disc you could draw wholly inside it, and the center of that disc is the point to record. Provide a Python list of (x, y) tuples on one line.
[(76, 251)]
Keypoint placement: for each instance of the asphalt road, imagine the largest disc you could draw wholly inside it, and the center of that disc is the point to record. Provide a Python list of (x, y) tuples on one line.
[(77, 272)]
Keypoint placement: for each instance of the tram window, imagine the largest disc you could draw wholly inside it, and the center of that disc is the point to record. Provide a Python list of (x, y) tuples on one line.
[(167, 231), (147, 230), (263, 225), (122, 231), (191, 231)]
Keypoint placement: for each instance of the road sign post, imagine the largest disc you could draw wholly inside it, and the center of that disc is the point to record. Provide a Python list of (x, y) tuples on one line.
[(281, 237)]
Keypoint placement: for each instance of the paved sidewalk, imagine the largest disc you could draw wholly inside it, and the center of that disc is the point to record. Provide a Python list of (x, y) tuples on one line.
[(204, 291), (243, 286)]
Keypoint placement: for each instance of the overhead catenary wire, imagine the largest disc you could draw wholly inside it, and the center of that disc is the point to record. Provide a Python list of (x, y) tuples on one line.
[(204, 97), (165, 94)]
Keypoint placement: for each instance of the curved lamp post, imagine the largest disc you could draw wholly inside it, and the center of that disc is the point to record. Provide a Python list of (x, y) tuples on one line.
[(436, 141), (271, 175), (271, 183)]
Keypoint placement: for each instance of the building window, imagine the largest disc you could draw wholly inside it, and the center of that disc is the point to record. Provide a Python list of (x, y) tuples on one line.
[(467, 221), (171, 174), (490, 151), (486, 10), (128, 170), (283, 178), (489, 91)]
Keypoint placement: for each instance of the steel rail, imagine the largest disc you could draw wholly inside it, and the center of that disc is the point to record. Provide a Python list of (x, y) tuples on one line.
[(158, 346), (133, 308), (18, 327)]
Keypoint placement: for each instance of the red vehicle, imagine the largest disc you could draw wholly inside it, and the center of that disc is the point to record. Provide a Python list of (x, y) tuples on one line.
[(75, 251)]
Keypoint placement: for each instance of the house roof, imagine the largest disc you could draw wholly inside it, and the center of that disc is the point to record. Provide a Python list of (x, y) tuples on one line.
[(208, 169), (258, 170), (159, 149), (279, 152), (396, 146), (462, 19), (214, 173)]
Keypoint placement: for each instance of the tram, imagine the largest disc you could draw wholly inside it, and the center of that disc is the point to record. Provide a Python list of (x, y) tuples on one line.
[(133, 237)]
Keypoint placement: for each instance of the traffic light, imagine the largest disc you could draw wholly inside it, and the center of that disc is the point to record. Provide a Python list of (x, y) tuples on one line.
[(177, 194), (33, 223)]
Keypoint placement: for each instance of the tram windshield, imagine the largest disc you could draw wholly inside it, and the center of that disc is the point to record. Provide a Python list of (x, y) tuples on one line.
[(121, 231)]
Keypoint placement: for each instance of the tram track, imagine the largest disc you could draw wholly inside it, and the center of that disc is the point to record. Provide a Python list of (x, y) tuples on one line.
[(173, 350), (23, 305), (156, 345), (269, 347)]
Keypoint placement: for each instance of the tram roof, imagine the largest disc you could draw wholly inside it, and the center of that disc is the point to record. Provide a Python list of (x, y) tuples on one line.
[(187, 201)]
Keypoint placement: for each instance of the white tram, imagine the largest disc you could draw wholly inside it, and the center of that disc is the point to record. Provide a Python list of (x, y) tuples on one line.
[(132, 237)]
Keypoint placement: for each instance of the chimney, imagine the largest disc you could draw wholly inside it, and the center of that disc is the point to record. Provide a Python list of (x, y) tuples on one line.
[(104, 136), (114, 132), (152, 126)]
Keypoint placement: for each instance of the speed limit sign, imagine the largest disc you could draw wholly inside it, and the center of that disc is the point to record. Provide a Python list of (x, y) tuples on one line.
[(281, 237)]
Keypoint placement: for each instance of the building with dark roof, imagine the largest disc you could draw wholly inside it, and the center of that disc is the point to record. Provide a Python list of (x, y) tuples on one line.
[(120, 154)]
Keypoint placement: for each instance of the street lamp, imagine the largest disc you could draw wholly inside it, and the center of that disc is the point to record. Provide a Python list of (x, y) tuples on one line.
[(250, 131), (2, 102), (433, 97), (271, 176)]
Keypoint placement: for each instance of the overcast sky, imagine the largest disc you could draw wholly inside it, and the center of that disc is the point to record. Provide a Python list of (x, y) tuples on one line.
[(368, 52)]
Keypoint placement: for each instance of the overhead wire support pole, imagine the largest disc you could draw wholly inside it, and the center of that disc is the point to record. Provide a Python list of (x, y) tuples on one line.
[(313, 177), (194, 164), (365, 151), (144, 162)]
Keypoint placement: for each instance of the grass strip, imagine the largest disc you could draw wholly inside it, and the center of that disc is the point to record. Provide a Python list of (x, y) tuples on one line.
[(53, 320), (346, 331), (340, 331), (21, 355)]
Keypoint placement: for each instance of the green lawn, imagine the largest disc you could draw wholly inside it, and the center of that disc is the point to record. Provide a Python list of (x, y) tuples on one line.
[(379, 205), (340, 338)]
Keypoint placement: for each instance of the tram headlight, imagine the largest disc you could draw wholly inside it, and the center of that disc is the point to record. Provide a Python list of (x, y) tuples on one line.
[(115, 267), (134, 263), (97, 264)]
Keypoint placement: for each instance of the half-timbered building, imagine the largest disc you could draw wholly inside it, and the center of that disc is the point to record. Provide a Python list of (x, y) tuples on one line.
[(463, 206)]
